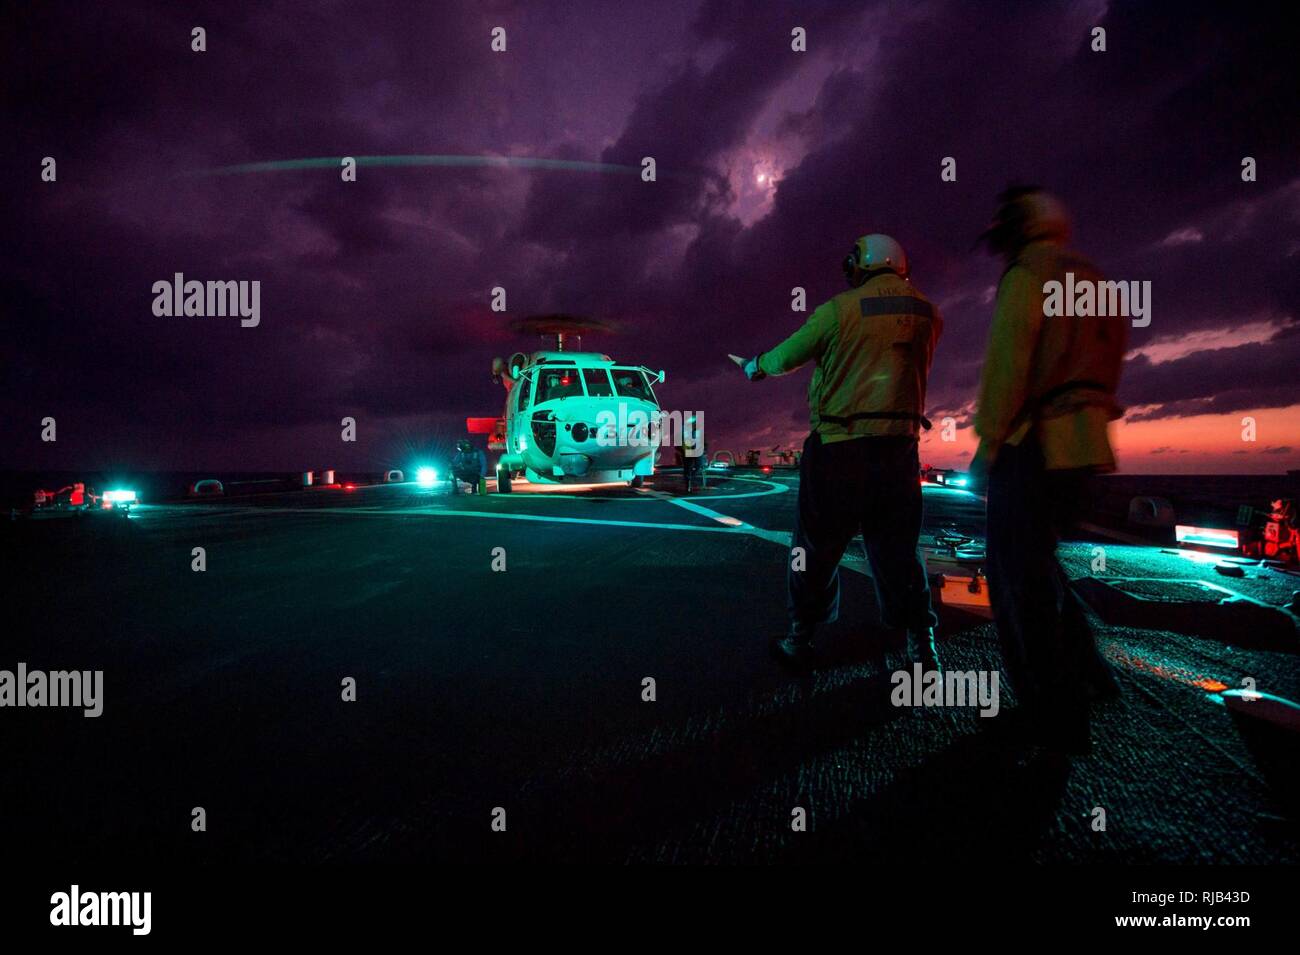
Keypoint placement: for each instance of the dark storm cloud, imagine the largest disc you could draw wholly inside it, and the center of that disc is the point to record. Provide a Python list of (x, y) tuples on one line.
[(350, 279), (1028, 110), (1261, 375), (375, 292), (685, 123)]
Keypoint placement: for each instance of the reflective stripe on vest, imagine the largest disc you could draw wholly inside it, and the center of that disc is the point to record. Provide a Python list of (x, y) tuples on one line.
[(872, 307), (896, 305)]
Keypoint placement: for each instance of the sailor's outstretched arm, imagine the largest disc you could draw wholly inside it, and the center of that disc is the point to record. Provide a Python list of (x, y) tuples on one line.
[(808, 343)]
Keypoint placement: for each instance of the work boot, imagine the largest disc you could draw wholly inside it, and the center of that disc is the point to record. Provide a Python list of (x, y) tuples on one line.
[(920, 649), (794, 650)]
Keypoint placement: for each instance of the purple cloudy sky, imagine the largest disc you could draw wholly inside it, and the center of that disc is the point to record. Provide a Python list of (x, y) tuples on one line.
[(375, 294)]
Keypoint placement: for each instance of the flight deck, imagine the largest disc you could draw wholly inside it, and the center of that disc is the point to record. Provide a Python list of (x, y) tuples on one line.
[(500, 647)]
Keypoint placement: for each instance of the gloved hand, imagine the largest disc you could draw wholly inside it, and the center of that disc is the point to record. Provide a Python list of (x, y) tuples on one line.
[(752, 371)]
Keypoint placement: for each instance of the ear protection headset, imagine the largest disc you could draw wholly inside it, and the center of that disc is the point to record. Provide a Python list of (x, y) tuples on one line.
[(854, 271), (850, 266)]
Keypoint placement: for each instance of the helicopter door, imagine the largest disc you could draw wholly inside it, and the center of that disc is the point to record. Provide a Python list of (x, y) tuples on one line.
[(525, 388), (522, 401)]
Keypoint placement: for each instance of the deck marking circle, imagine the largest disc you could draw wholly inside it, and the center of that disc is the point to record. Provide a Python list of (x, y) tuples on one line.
[(492, 515), (729, 525), (772, 488)]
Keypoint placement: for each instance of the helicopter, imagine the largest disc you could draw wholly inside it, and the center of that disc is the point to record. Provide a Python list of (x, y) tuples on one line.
[(572, 417)]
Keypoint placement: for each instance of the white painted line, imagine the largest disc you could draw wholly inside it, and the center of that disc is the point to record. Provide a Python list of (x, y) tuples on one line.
[(697, 508), (729, 525), (706, 512), (781, 538)]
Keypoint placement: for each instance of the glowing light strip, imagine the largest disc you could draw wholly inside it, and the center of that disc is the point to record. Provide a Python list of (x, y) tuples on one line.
[(1206, 536)]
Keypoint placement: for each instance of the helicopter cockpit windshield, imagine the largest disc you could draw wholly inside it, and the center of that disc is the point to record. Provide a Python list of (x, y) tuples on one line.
[(555, 383), (632, 383)]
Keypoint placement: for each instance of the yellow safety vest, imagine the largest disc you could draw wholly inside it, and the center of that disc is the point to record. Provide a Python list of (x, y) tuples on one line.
[(873, 346), (1054, 376)]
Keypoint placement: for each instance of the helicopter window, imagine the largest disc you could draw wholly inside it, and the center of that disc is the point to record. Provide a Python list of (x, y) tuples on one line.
[(525, 385), (555, 383), (631, 383), (597, 380)]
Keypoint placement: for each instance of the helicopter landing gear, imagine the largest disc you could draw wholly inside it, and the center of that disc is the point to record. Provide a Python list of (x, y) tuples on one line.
[(503, 482), (636, 481)]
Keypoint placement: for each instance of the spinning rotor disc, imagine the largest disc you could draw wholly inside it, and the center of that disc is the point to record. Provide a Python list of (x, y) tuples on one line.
[(560, 325)]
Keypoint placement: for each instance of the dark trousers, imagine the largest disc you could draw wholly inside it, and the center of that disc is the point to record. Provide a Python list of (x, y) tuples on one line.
[(866, 485), (693, 470), (1048, 651)]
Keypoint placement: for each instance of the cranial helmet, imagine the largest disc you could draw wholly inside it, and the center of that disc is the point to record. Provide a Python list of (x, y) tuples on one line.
[(464, 445), (872, 253)]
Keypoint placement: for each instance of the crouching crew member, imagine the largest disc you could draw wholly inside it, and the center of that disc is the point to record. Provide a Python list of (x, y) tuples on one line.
[(469, 465)]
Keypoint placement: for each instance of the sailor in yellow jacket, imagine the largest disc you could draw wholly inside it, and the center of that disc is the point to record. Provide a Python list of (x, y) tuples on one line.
[(1046, 398), (860, 472)]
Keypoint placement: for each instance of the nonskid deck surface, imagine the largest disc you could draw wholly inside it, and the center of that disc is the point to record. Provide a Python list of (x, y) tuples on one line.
[(479, 687)]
